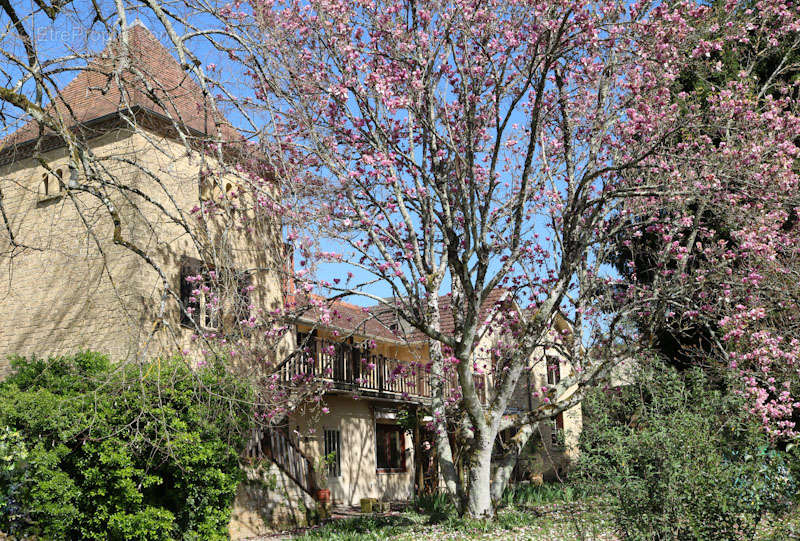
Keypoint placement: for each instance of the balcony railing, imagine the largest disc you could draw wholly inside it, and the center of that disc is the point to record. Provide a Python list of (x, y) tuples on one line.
[(349, 367)]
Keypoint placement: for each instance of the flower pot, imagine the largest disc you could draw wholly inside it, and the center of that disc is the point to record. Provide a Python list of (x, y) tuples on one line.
[(323, 495)]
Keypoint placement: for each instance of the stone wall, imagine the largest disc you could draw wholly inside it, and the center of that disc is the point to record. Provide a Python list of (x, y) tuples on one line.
[(72, 288), (268, 501)]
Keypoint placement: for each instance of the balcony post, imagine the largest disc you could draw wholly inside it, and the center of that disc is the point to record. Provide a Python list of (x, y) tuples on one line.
[(355, 358), (380, 365)]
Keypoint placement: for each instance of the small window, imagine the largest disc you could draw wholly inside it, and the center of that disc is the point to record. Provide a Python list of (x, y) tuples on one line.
[(391, 448), (241, 300), (307, 343), (199, 307), (206, 184), (51, 186), (211, 187), (202, 296), (480, 386), (557, 431), (553, 370), (333, 452)]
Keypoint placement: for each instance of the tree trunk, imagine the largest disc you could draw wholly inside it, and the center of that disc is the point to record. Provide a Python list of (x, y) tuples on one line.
[(506, 466), (444, 452), (478, 497)]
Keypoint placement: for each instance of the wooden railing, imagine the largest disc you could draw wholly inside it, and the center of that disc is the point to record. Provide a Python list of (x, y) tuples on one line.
[(276, 445), (347, 365), (350, 367)]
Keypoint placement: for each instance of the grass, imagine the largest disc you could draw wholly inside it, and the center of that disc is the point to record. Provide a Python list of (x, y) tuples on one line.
[(554, 512), (779, 529), (366, 528), (529, 494), (510, 524), (530, 513)]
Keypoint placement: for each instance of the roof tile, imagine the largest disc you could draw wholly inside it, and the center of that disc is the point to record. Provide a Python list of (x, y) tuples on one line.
[(152, 79)]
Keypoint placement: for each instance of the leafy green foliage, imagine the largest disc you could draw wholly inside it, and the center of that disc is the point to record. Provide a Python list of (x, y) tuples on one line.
[(364, 528), (680, 459), (90, 450), (574, 523), (530, 494), (437, 505)]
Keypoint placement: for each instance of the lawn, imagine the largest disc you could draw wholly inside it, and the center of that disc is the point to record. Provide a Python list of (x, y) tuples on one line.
[(558, 521), (549, 512), (510, 524)]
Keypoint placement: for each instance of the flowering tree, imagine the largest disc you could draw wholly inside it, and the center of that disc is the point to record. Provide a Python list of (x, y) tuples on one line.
[(728, 234), (451, 146), (465, 146)]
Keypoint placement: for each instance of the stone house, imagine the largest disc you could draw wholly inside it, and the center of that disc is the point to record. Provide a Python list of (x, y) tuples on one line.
[(68, 283), (71, 283), (378, 374)]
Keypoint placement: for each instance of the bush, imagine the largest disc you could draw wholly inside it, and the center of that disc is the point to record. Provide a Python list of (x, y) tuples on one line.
[(681, 459), (89, 450)]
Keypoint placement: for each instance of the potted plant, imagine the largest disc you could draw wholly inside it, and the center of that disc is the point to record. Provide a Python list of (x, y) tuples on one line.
[(322, 467)]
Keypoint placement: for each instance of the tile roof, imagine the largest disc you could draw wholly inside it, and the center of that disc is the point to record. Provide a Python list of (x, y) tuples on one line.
[(153, 80), (350, 318), (380, 321), (446, 319)]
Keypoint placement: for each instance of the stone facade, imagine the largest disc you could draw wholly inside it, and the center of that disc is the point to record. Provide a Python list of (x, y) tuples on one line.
[(72, 285), (74, 288)]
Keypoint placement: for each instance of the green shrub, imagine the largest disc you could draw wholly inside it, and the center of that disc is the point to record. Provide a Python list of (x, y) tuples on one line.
[(90, 450), (681, 459)]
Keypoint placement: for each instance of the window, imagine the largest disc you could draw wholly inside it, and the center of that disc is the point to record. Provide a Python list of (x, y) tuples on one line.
[(305, 341), (211, 186), (553, 370), (333, 449), (199, 305), (201, 299), (241, 300), (480, 386), (206, 186), (391, 448), (52, 185), (557, 430)]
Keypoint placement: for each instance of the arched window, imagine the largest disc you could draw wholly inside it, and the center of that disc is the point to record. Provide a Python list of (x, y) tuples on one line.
[(553, 370), (52, 185)]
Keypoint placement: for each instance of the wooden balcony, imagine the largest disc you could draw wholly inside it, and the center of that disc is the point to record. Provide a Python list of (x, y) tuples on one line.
[(349, 368)]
